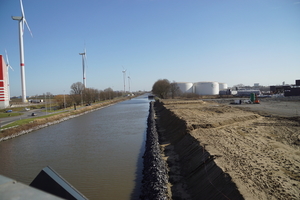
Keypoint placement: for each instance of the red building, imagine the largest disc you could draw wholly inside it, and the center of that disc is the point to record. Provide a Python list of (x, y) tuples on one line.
[(4, 84)]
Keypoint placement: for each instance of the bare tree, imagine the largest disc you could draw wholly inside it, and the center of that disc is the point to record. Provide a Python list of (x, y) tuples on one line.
[(87, 95), (90, 95), (49, 94), (108, 93), (95, 95), (76, 92), (63, 100), (60, 100), (174, 89), (161, 88), (101, 95), (238, 86), (77, 88)]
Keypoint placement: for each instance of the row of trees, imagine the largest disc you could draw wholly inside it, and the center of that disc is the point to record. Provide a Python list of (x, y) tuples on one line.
[(163, 88), (81, 95)]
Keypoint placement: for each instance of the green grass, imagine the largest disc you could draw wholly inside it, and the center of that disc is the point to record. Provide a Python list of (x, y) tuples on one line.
[(30, 120), (26, 121), (18, 123), (2, 115)]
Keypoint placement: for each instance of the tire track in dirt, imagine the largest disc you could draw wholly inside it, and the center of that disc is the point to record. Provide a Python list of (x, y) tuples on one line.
[(260, 154)]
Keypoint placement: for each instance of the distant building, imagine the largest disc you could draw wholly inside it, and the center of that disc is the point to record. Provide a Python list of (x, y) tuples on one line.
[(36, 100), (277, 89), (293, 91), (288, 90), (4, 87), (247, 92)]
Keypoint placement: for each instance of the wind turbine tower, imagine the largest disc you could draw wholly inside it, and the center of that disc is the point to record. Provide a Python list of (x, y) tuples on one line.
[(129, 83), (83, 67), (124, 75), (22, 22)]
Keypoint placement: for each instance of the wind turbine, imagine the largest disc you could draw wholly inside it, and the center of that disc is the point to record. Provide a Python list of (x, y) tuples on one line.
[(124, 75), (83, 66), (7, 68), (22, 22), (129, 83)]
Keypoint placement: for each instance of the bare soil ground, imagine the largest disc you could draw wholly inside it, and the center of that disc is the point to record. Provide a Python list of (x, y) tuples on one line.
[(257, 145)]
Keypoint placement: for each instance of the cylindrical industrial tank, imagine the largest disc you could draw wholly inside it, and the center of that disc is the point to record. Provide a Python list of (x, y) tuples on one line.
[(223, 86), (207, 88), (185, 87)]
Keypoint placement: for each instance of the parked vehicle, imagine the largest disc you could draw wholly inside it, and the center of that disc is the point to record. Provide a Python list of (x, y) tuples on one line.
[(8, 111)]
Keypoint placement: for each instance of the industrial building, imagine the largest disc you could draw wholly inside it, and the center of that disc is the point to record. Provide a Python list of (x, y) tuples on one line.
[(4, 84), (287, 90), (294, 90), (247, 92)]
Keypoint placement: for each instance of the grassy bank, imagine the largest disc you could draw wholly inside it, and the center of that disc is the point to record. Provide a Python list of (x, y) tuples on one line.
[(2, 115), (22, 126)]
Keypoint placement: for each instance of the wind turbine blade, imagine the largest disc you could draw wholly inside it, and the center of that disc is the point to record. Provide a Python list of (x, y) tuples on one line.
[(24, 21), (7, 61), (22, 9), (84, 51), (85, 56), (23, 16), (27, 27)]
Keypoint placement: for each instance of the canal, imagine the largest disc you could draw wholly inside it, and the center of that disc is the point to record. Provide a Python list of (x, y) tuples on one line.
[(99, 153)]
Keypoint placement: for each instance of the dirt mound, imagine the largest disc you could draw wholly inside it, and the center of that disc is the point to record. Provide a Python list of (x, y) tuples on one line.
[(193, 174), (212, 148)]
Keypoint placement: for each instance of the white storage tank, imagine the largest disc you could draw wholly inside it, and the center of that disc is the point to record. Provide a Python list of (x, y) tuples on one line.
[(223, 86), (207, 88), (185, 87)]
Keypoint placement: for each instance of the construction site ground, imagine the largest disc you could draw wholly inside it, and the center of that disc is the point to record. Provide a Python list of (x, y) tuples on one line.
[(257, 145)]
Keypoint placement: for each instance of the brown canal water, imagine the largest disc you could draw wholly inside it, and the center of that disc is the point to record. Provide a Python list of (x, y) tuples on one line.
[(99, 153)]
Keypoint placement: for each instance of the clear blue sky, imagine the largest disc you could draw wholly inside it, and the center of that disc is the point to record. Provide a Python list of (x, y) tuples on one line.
[(230, 41)]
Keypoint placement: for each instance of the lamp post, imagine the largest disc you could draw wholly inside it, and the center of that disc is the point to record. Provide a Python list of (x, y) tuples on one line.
[(64, 100), (45, 102)]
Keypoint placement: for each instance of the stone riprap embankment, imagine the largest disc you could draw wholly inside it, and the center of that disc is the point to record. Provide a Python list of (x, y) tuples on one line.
[(155, 174)]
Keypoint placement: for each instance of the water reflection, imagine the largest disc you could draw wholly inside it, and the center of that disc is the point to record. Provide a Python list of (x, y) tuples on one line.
[(99, 153)]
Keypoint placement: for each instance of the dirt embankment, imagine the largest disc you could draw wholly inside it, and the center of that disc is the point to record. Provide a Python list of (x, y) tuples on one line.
[(218, 151)]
